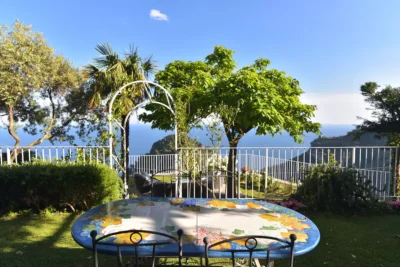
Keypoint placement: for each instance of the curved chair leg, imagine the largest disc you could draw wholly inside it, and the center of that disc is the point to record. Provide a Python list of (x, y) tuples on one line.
[(119, 257)]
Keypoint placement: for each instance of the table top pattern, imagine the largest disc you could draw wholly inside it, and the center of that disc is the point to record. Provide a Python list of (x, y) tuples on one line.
[(217, 219)]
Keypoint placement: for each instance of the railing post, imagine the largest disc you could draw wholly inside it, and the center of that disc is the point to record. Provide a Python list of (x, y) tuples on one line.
[(266, 175), (8, 156), (353, 158)]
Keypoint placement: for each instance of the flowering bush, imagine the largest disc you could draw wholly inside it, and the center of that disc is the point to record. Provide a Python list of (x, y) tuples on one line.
[(217, 162), (332, 188), (394, 205), (245, 169), (252, 178)]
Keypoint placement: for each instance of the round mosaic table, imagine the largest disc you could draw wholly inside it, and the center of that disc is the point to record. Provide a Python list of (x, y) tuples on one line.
[(214, 218)]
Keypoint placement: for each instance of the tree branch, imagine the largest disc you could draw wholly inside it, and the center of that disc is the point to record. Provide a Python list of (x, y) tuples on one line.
[(12, 132), (46, 135)]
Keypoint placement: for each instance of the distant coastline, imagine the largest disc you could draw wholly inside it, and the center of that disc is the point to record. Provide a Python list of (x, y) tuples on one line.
[(142, 137)]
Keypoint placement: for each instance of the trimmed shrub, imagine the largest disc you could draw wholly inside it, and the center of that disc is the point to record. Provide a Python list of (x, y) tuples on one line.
[(331, 188), (43, 185)]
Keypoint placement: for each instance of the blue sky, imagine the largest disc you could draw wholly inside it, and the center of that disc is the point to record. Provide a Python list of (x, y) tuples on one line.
[(331, 47)]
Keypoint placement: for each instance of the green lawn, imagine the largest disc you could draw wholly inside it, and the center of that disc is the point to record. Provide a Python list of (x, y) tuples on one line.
[(45, 240)]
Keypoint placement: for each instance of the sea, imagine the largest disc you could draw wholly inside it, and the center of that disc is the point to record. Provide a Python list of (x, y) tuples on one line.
[(142, 138)]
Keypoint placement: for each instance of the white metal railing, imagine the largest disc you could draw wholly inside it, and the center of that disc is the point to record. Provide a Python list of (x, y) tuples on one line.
[(157, 164), (253, 168), (54, 153), (255, 165)]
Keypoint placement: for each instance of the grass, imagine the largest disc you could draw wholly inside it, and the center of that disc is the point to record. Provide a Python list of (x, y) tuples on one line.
[(45, 240), (276, 189)]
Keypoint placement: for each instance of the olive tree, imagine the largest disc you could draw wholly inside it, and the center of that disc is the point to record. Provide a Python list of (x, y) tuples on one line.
[(38, 89)]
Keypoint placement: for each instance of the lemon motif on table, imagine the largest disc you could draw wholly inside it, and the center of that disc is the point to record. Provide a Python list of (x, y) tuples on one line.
[(222, 204), (145, 203), (176, 202), (301, 237)]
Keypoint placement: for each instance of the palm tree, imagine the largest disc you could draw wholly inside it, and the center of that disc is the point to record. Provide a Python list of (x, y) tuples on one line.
[(108, 73)]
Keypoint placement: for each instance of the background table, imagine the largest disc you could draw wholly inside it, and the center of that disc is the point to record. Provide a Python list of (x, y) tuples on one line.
[(217, 219)]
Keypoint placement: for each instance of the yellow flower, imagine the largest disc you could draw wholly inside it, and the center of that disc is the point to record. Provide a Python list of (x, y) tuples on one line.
[(225, 245), (110, 220), (240, 242), (188, 239), (252, 205), (126, 238), (301, 237), (270, 217), (289, 222), (196, 208), (222, 204), (176, 202)]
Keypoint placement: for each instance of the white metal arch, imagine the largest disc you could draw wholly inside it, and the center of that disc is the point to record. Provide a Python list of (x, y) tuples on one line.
[(148, 93)]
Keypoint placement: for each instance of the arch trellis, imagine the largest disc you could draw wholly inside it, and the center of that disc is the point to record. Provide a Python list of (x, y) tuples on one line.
[(149, 94)]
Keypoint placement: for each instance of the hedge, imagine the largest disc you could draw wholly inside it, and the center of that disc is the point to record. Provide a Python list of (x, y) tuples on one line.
[(59, 186)]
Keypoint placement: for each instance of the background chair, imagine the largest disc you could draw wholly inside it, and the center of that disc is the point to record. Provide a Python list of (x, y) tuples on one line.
[(250, 246), (136, 238), (148, 185)]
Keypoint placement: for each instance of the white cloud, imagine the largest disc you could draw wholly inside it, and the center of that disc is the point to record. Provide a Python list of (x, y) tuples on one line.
[(338, 108), (134, 117), (157, 15)]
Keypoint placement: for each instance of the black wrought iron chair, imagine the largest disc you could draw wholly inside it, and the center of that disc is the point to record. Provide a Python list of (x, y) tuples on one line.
[(136, 239), (250, 246)]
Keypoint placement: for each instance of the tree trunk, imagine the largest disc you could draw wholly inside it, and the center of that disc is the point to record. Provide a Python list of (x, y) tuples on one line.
[(395, 173), (125, 152), (12, 132), (231, 171), (127, 133)]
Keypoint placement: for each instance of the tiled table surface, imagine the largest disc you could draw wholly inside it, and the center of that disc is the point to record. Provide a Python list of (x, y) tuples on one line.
[(217, 219)]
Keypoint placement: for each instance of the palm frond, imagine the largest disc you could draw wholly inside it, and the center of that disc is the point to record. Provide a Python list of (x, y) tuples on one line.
[(104, 49), (149, 66)]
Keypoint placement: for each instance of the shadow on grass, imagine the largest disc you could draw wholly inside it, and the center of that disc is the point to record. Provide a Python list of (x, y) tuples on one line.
[(42, 240), (361, 240)]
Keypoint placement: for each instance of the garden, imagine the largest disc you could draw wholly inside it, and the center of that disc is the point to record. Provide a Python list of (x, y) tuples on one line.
[(35, 225), (44, 95)]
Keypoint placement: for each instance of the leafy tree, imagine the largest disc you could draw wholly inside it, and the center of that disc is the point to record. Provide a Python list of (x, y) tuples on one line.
[(166, 145), (385, 121), (37, 87), (385, 104), (111, 71), (251, 97), (185, 81)]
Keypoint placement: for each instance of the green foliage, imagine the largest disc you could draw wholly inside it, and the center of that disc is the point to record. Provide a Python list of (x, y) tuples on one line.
[(41, 186), (255, 181), (105, 76), (38, 89), (110, 71), (251, 97), (331, 188), (385, 120), (386, 107), (166, 145)]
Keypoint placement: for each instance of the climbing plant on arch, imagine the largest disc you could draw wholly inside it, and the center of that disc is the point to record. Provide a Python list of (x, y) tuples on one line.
[(148, 94)]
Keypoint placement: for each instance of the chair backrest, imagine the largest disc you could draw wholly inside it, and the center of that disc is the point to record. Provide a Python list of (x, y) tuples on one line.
[(250, 244), (136, 240)]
